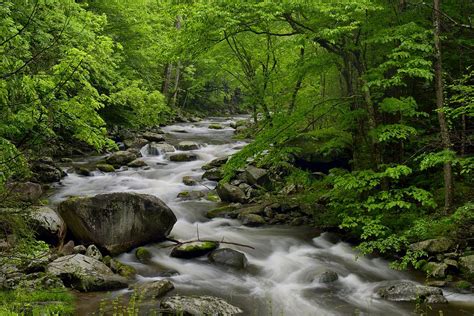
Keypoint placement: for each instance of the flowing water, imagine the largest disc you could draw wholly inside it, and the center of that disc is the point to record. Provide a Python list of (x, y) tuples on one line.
[(282, 277)]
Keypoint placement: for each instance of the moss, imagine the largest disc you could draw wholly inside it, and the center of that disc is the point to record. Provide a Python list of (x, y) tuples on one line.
[(199, 245), (215, 126), (122, 269), (183, 194), (220, 211), (105, 167), (462, 285), (213, 197), (143, 254)]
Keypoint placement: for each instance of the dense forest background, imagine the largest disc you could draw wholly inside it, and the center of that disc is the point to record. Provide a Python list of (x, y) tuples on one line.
[(365, 106)]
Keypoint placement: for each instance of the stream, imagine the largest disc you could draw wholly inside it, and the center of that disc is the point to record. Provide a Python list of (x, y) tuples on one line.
[(282, 277)]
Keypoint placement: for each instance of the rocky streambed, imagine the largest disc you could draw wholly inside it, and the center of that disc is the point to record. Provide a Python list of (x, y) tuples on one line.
[(238, 256)]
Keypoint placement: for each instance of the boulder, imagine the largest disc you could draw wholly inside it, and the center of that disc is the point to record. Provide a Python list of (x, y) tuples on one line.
[(466, 264), (154, 289), (224, 211), (47, 173), (191, 195), (199, 305), (183, 157), (137, 163), (435, 269), (215, 163), (79, 249), (48, 225), (187, 145), (25, 191), (121, 158), (409, 291), (135, 143), (215, 126), (67, 249), (122, 269), (105, 167), (434, 246), (190, 181), (230, 193), (328, 276), (85, 273), (257, 176), (94, 252), (251, 219), (153, 137), (143, 255), (155, 149), (83, 171), (228, 257), (215, 174), (117, 222), (193, 249)]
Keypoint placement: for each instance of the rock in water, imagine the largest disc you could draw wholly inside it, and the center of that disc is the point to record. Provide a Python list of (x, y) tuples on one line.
[(215, 126), (153, 137), (214, 174), (230, 193), (409, 291), (189, 180), (105, 167), (117, 222), (187, 145), (216, 163), (328, 276), (154, 289), (183, 157), (229, 257), (159, 149), (194, 249), (85, 273), (199, 305), (121, 158)]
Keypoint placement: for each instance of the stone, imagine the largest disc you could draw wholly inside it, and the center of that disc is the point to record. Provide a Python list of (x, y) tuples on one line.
[(47, 173), (94, 252), (81, 249), (67, 249), (251, 219), (230, 193), (189, 180), (137, 163), (85, 273), (153, 137), (191, 195), (215, 163), (228, 257), (328, 276), (143, 255), (135, 143), (82, 171), (193, 249), (154, 289), (122, 269), (154, 149), (433, 246), (213, 197), (25, 191), (466, 264), (409, 291), (224, 211), (199, 305), (187, 145), (48, 225), (181, 157), (257, 176), (121, 158), (117, 222), (215, 174), (215, 126), (105, 167)]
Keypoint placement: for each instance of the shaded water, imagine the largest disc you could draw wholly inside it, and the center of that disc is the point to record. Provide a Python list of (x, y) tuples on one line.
[(282, 278)]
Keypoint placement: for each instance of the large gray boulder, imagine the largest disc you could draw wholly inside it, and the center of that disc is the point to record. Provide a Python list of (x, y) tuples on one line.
[(199, 305), (85, 273), (230, 193), (228, 257), (409, 291), (117, 222), (25, 191), (121, 158), (48, 225), (183, 157)]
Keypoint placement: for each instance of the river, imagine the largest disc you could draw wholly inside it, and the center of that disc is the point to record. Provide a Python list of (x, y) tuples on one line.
[(282, 275)]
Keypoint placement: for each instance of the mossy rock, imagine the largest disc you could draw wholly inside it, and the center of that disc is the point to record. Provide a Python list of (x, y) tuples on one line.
[(213, 197), (122, 269), (104, 167), (194, 249), (215, 126), (143, 255), (462, 285), (223, 211)]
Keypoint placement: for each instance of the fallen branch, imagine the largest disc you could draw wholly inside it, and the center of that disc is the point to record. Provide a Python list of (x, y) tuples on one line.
[(207, 240)]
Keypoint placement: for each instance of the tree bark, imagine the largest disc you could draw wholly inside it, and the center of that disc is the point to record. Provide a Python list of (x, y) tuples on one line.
[(439, 91)]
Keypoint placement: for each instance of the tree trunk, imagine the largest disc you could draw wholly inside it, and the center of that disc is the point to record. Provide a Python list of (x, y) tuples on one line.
[(298, 85), (439, 91), (166, 82)]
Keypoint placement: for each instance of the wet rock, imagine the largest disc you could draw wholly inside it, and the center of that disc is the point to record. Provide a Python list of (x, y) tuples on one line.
[(67, 249), (215, 174), (105, 167), (25, 191), (466, 265), (118, 221), (121, 158), (199, 305), (159, 149), (137, 163), (212, 196), (191, 195), (216, 163), (257, 176), (409, 291), (436, 283), (47, 172), (48, 225), (81, 249), (224, 211), (193, 249), (153, 137), (190, 181), (143, 255), (228, 257), (94, 252), (154, 289), (187, 145), (328, 276), (434, 246), (230, 193), (135, 143), (181, 131), (122, 269), (83, 171), (215, 126), (85, 273), (183, 157), (251, 219)]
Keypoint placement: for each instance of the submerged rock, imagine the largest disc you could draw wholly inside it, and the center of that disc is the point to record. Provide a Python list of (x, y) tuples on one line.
[(215, 126), (183, 157), (85, 273), (229, 257), (409, 291), (189, 180), (194, 249), (143, 255), (187, 145), (199, 305), (328, 276), (118, 221), (154, 289), (121, 158), (230, 193)]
